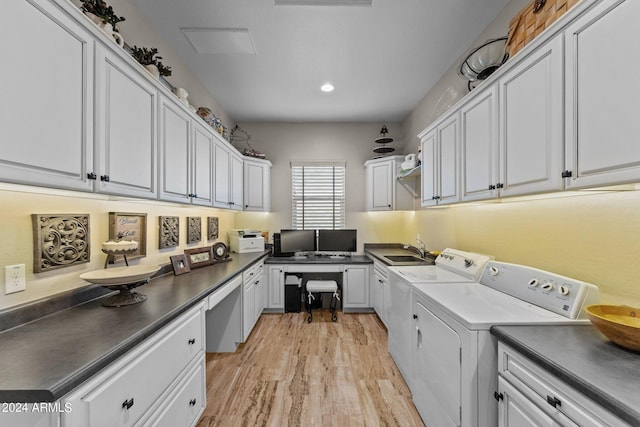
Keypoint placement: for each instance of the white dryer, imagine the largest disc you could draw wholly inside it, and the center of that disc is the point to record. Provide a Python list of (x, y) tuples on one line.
[(451, 266)]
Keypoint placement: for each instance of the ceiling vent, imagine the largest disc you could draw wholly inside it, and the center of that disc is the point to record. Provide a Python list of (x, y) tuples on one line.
[(220, 40), (323, 2)]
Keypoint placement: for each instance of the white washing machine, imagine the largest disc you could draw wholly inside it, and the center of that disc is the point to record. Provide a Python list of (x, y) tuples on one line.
[(451, 266), (454, 354)]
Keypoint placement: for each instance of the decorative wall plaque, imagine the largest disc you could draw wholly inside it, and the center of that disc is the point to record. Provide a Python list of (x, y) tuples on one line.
[(60, 240), (169, 231), (212, 228), (194, 229), (129, 226)]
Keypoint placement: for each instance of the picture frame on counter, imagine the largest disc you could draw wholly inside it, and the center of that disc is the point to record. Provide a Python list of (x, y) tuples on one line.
[(199, 257), (180, 264)]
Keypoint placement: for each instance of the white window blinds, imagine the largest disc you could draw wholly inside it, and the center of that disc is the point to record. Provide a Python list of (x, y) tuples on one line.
[(318, 195)]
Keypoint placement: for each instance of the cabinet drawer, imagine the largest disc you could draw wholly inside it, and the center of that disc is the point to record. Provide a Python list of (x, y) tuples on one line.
[(184, 407), (248, 274), (120, 395), (550, 394)]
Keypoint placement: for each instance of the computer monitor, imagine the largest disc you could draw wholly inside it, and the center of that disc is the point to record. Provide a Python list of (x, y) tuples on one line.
[(337, 240), (292, 241)]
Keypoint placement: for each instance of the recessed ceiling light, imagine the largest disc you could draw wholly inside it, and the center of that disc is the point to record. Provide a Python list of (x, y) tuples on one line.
[(327, 87)]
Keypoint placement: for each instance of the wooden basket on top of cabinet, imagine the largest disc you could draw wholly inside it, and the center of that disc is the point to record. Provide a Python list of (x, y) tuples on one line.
[(532, 20)]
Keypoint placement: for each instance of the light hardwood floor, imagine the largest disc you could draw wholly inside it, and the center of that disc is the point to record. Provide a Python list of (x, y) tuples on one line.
[(294, 373)]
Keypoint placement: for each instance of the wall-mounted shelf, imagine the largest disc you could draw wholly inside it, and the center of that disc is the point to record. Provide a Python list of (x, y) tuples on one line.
[(408, 173)]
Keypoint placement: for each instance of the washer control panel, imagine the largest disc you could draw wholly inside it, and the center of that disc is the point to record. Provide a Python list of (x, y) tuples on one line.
[(560, 294)]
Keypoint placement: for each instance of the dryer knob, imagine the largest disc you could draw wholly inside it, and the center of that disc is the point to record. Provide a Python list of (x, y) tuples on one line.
[(493, 270), (563, 290), (468, 263), (533, 283), (547, 286)]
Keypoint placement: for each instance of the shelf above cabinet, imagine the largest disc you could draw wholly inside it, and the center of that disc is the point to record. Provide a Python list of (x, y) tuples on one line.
[(408, 173)]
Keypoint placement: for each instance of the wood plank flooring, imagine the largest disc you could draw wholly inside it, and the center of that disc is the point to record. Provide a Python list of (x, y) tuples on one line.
[(294, 373)]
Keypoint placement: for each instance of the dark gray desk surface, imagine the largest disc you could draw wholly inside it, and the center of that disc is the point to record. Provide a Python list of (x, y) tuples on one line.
[(584, 359), (43, 360), (356, 259)]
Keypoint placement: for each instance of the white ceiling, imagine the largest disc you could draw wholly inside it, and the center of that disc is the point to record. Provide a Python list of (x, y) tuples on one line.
[(382, 59)]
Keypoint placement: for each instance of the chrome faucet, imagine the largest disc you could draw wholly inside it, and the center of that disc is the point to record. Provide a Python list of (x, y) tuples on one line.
[(420, 250)]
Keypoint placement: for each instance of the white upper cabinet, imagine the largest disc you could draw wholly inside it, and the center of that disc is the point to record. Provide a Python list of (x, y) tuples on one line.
[(125, 125), (603, 95), (186, 156), (228, 177), (257, 185), (175, 143), (479, 146), (440, 162), (46, 113), (202, 165), (383, 190), (531, 123)]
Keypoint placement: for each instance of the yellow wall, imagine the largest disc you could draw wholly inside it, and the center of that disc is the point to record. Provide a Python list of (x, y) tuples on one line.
[(19, 202), (591, 237)]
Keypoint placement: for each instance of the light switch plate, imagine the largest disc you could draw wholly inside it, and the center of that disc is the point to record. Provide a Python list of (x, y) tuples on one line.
[(14, 279)]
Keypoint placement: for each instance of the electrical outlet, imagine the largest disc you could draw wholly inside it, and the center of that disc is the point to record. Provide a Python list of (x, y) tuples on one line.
[(14, 279)]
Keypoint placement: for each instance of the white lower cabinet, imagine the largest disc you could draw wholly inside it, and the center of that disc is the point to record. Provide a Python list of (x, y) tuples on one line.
[(146, 380), (275, 292), (379, 281), (187, 403), (355, 287), (528, 395), (251, 298)]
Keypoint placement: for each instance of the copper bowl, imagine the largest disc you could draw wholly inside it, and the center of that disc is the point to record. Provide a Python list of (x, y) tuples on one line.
[(619, 323)]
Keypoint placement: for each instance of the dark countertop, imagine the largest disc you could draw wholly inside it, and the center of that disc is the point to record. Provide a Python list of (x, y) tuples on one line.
[(584, 359), (45, 359), (356, 259)]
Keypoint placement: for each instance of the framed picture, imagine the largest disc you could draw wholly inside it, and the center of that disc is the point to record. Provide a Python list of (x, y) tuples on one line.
[(212, 228), (129, 226), (60, 240), (180, 264), (169, 231), (199, 257), (194, 229)]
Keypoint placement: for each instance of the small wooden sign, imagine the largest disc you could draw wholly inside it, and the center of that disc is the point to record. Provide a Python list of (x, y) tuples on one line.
[(129, 226)]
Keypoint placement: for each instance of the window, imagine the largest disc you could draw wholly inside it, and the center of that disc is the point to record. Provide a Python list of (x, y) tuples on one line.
[(318, 195)]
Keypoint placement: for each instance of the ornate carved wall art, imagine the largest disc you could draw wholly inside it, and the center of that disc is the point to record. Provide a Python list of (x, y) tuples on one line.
[(169, 231), (212, 228), (129, 226), (60, 240), (194, 229)]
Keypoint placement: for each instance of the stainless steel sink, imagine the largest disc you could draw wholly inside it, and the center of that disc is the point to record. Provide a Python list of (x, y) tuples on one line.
[(403, 258)]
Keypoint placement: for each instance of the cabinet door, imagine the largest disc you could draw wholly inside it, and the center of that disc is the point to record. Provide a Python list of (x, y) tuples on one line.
[(602, 99), (381, 176), (515, 410), (429, 168), (175, 130), (46, 113), (355, 287), (237, 182), (221, 176), (256, 185), (479, 146), (448, 147), (259, 298), (276, 287), (248, 308), (126, 123), (531, 123), (202, 166)]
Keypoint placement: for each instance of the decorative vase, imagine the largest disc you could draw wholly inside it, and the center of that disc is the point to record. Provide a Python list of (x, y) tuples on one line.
[(106, 28), (153, 69)]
